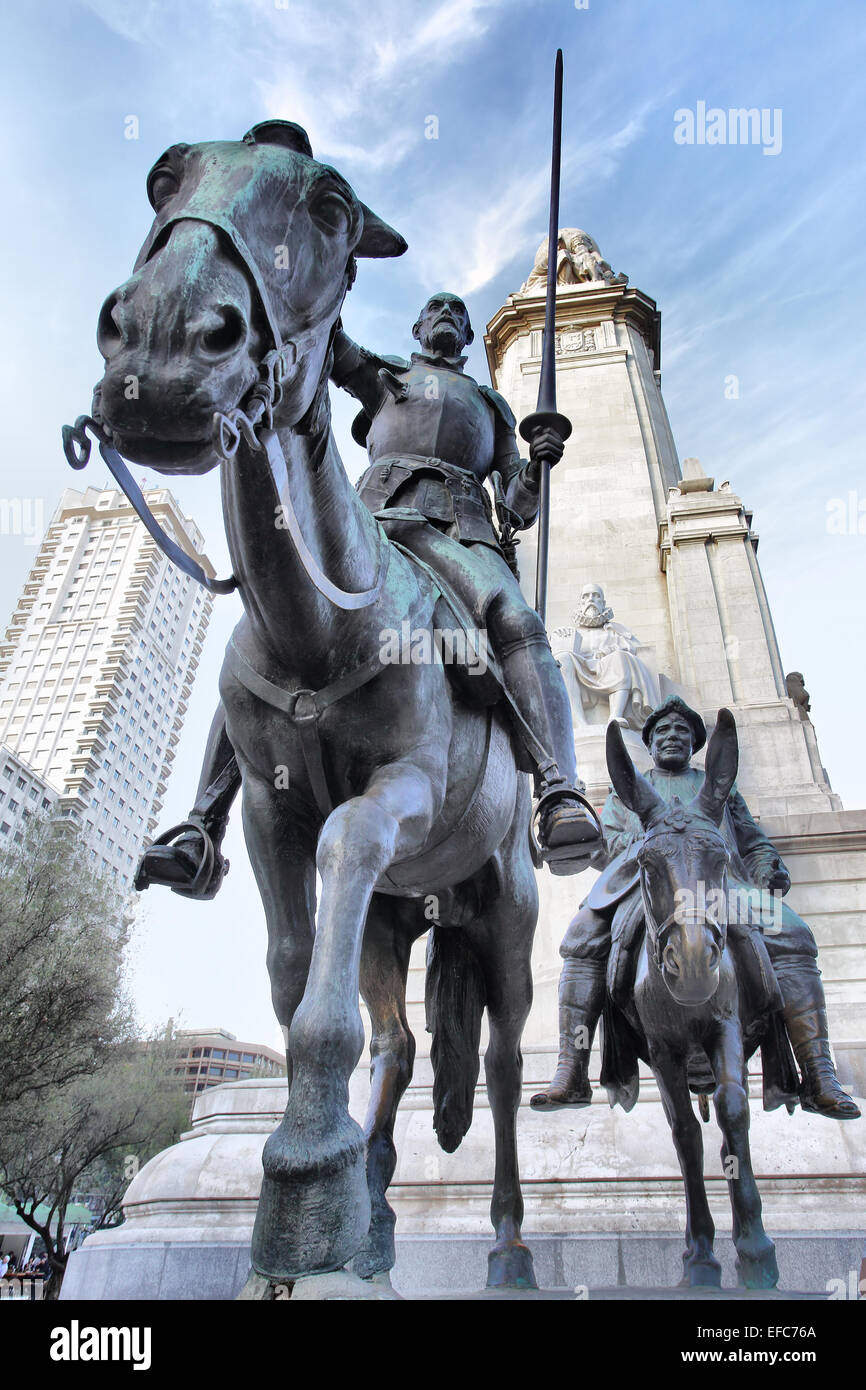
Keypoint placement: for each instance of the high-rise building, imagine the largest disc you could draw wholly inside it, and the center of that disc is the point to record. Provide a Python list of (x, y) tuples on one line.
[(97, 668)]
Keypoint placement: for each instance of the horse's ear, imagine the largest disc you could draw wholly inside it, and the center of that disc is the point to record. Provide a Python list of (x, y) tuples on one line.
[(720, 772), (378, 239), (286, 133), (631, 787)]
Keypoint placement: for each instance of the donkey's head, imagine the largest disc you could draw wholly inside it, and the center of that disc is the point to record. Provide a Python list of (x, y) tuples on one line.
[(251, 253), (683, 864)]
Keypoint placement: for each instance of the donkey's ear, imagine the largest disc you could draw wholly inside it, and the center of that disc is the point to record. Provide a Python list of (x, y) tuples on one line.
[(720, 772), (631, 787), (378, 239)]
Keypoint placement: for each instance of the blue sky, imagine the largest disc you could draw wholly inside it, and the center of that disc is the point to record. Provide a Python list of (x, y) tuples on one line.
[(756, 261)]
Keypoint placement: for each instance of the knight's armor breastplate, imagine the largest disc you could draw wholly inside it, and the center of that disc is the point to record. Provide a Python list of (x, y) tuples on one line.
[(431, 448), (443, 415)]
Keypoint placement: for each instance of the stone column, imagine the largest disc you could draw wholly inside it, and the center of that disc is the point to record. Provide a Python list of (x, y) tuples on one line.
[(609, 492), (727, 648)]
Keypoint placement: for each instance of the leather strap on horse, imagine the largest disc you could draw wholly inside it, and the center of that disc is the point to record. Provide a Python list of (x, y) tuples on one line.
[(76, 447), (303, 708), (341, 598)]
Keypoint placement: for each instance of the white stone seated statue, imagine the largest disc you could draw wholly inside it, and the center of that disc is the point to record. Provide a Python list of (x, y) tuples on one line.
[(604, 675)]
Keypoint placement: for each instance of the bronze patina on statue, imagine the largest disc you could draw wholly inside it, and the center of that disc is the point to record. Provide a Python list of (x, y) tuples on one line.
[(403, 780)]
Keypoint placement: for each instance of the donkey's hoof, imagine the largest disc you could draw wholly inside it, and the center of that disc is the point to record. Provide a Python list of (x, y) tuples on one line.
[(510, 1267), (701, 1272), (378, 1253), (757, 1269), (313, 1218)]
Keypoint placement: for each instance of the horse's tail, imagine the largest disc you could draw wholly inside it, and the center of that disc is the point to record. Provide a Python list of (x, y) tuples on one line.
[(454, 999)]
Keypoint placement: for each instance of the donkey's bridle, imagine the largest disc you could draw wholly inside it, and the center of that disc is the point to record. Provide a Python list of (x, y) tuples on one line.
[(657, 932)]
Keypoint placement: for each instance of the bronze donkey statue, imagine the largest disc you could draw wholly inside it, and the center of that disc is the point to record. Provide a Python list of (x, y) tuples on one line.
[(687, 1009)]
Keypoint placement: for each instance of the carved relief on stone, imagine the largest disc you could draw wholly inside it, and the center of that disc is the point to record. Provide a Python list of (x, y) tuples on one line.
[(578, 261), (576, 339), (604, 675)]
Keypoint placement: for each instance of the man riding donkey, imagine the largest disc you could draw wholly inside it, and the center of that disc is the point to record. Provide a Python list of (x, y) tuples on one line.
[(673, 732), (434, 436)]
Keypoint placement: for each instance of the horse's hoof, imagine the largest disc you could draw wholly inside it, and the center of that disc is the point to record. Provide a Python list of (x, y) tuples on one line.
[(510, 1267), (757, 1269), (314, 1217)]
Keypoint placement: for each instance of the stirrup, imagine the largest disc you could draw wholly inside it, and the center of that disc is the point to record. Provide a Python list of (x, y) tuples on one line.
[(572, 857), (207, 877)]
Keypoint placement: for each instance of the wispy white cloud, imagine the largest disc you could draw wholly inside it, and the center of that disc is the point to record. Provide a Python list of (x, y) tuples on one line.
[(500, 218)]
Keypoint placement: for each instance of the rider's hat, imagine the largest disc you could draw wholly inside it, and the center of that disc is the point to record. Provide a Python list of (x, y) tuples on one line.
[(675, 705)]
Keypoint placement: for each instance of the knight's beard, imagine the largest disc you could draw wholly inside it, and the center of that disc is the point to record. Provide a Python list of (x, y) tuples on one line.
[(445, 341)]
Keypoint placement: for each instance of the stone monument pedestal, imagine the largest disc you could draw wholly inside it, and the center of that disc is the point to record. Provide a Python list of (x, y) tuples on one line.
[(604, 1201)]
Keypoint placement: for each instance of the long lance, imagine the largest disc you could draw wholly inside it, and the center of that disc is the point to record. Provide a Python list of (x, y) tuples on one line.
[(546, 416)]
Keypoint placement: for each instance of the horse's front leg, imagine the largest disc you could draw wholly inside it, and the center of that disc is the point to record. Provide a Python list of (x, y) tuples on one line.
[(314, 1210), (756, 1254), (700, 1265)]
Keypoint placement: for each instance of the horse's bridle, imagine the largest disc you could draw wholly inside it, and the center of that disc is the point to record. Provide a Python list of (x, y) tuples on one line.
[(255, 412)]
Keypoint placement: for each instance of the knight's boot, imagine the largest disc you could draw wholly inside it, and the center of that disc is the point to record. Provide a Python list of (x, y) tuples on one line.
[(187, 858), (582, 987), (806, 1020), (569, 832)]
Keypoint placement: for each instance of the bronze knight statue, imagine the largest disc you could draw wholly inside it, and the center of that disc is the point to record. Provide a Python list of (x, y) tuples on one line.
[(434, 436), (673, 732)]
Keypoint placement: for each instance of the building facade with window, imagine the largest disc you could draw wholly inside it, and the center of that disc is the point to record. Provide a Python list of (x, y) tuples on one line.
[(206, 1057), (23, 793), (97, 668)]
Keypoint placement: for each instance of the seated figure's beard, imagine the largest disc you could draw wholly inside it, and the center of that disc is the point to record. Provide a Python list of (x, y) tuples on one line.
[(590, 616)]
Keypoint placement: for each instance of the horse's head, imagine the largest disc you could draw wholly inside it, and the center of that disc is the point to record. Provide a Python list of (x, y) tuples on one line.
[(251, 253), (683, 864)]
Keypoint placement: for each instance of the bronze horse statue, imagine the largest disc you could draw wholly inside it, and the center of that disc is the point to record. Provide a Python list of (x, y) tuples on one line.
[(686, 1008), (226, 325)]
